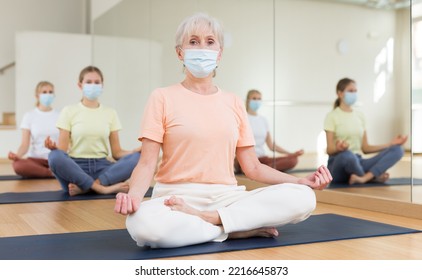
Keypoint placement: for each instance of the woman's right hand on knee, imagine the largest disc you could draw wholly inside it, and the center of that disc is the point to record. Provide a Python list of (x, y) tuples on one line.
[(50, 144), (126, 204), (12, 156)]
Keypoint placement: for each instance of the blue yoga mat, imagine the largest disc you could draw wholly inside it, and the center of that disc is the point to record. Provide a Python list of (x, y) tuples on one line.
[(51, 196), (118, 245), (391, 182)]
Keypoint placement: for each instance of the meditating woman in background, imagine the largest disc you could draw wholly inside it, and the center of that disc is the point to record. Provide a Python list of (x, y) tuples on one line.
[(37, 125), (79, 159), (200, 128), (261, 132), (347, 140)]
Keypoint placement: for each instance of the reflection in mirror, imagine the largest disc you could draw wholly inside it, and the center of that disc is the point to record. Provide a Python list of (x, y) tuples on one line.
[(417, 101), (368, 44)]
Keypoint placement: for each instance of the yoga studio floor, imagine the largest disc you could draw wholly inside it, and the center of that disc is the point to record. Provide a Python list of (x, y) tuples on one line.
[(23, 219)]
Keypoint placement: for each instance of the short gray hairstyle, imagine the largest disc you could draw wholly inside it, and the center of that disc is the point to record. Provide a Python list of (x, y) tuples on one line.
[(197, 22)]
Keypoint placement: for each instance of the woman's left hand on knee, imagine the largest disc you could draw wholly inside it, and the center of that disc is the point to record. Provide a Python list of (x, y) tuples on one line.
[(319, 179), (126, 204)]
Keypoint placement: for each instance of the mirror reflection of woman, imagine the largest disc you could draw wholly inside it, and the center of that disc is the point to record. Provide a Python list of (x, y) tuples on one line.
[(347, 140), (87, 130), (260, 129), (36, 125)]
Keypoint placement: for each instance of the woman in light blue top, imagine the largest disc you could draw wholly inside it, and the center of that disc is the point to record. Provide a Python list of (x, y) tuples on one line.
[(347, 139)]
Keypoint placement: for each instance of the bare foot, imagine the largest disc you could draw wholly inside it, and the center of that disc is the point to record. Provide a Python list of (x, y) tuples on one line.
[(382, 178), (75, 190), (355, 179), (262, 232), (116, 188), (178, 204)]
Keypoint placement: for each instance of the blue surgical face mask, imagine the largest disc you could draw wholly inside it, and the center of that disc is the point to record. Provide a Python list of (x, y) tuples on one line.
[(200, 62), (255, 104), (92, 91), (46, 99), (350, 97)]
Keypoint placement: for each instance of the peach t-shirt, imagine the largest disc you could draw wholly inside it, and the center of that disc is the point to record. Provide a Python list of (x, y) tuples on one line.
[(199, 134)]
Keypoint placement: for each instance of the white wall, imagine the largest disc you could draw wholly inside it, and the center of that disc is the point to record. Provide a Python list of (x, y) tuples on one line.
[(25, 15), (128, 79), (99, 7), (56, 57)]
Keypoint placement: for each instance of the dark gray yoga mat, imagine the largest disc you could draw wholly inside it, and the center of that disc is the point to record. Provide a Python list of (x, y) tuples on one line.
[(18, 177), (118, 245), (403, 181), (51, 196)]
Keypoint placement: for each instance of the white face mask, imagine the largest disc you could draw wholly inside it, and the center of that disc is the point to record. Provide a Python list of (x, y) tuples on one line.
[(200, 62)]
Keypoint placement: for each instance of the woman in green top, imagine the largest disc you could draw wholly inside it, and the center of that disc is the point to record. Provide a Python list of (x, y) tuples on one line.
[(347, 139)]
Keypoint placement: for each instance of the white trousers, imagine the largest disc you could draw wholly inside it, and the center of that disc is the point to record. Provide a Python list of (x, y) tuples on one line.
[(156, 225)]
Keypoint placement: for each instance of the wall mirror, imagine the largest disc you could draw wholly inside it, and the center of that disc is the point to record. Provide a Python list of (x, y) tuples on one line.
[(416, 101)]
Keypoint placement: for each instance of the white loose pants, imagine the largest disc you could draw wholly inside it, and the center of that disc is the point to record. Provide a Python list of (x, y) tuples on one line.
[(156, 225)]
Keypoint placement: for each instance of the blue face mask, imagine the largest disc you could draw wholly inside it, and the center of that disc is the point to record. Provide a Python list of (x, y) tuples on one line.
[(200, 62), (255, 104), (92, 91), (350, 97), (46, 99)]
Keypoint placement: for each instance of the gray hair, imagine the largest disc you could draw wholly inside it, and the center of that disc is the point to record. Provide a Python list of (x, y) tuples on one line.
[(199, 21)]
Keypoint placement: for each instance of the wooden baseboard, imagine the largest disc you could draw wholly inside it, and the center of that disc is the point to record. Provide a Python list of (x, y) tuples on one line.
[(393, 207)]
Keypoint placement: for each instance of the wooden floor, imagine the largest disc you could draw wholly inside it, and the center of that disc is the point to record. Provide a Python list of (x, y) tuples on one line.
[(78, 216)]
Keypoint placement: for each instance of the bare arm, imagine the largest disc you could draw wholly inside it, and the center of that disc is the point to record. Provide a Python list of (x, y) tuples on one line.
[(116, 150), (367, 148), (334, 147), (254, 170), (276, 148), (63, 142), (273, 146), (24, 146), (140, 180)]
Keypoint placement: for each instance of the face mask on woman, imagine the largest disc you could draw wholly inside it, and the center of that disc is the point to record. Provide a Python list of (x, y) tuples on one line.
[(46, 99), (350, 97), (92, 91), (255, 104), (200, 62)]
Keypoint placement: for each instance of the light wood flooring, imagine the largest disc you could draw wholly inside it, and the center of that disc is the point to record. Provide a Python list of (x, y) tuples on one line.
[(78, 216)]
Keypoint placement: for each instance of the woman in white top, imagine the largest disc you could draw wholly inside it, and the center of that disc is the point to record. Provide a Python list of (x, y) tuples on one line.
[(37, 125), (262, 136)]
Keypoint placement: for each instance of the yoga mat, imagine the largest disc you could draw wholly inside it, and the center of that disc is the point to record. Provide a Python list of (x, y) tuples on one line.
[(18, 177), (118, 245), (50, 196), (301, 170), (391, 182)]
